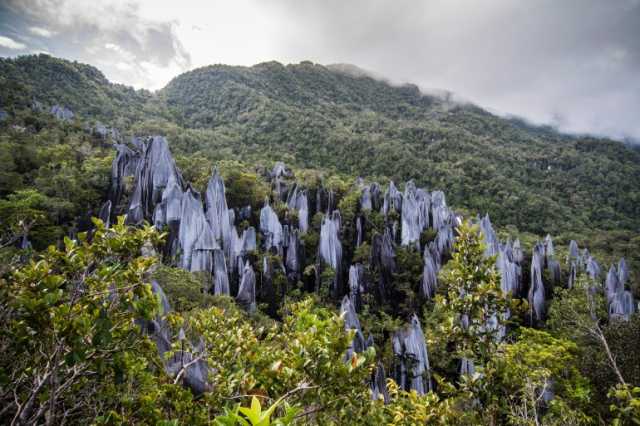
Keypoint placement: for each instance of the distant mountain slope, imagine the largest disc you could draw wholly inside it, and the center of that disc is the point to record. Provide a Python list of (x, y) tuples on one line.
[(534, 178), (327, 118), (82, 88)]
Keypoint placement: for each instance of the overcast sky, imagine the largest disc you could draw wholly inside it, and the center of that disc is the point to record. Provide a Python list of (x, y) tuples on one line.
[(574, 64)]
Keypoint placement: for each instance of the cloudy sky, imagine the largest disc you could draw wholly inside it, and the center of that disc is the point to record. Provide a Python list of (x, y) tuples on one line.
[(574, 64)]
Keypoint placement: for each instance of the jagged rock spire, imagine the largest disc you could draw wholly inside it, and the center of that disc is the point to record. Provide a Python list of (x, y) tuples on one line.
[(621, 302), (370, 198), (429, 275), (298, 201), (293, 259), (392, 200), (330, 246), (412, 360), (537, 298), (124, 164), (356, 285), (379, 384), (489, 236), (154, 170), (271, 228), (218, 213), (196, 374), (220, 275), (351, 322), (195, 235), (247, 290)]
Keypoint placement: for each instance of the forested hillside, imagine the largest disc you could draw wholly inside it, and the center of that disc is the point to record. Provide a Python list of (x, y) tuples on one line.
[(539, 181), (304, 244)]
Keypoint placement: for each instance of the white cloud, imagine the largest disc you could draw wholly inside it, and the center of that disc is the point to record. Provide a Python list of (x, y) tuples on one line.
[(10, 43), (42, 32), (123, 66), (574, 63), (125, 54), (129, 46)]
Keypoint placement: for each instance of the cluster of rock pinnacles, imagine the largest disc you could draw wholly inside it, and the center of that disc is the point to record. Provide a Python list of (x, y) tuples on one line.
[(204, 236)]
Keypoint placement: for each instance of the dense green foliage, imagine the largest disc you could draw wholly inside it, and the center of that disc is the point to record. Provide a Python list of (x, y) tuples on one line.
[(89, 361), (530, 179), (76, 310), (315, 117), (82, 88)]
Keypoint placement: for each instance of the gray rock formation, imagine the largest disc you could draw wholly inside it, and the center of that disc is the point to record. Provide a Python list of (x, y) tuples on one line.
[(169, 210), (612, 284), (370, 198), (330, 248), (280, 170), (518, 254), (392, 200), (218, 213), (195, 235), (330, 245), (105, 132), (445, 239), (429, 275), (244, 213), (105, 214), (622, 305), (537, 298), (490, 238), (293, 261), (271, 228), (153, 173), (509, 273), (623, 272), (383, 258), (439, 211), (124, 164), (351, 323), (356, 285), (552, 265), (621, 302), (61, 113), (574, 252), (359, 231), (247, 292), (411, 357), (466, 367), (220, 275), (593, 268), (435, 254), (379, 384), (573, 275), (410, 216), (299, 202), (278, 175), (416, 205), (196, 371)]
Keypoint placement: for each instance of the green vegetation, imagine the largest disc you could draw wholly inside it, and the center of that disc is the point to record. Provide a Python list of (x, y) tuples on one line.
[(71, 345), (76, 310), (531, 180)]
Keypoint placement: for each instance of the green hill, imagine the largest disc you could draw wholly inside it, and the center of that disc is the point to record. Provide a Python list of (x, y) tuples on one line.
[(82, 88), (330, 118), (534, 178)]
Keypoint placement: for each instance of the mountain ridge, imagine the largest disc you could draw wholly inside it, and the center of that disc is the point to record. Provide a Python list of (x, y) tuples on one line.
[(533, 178)]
